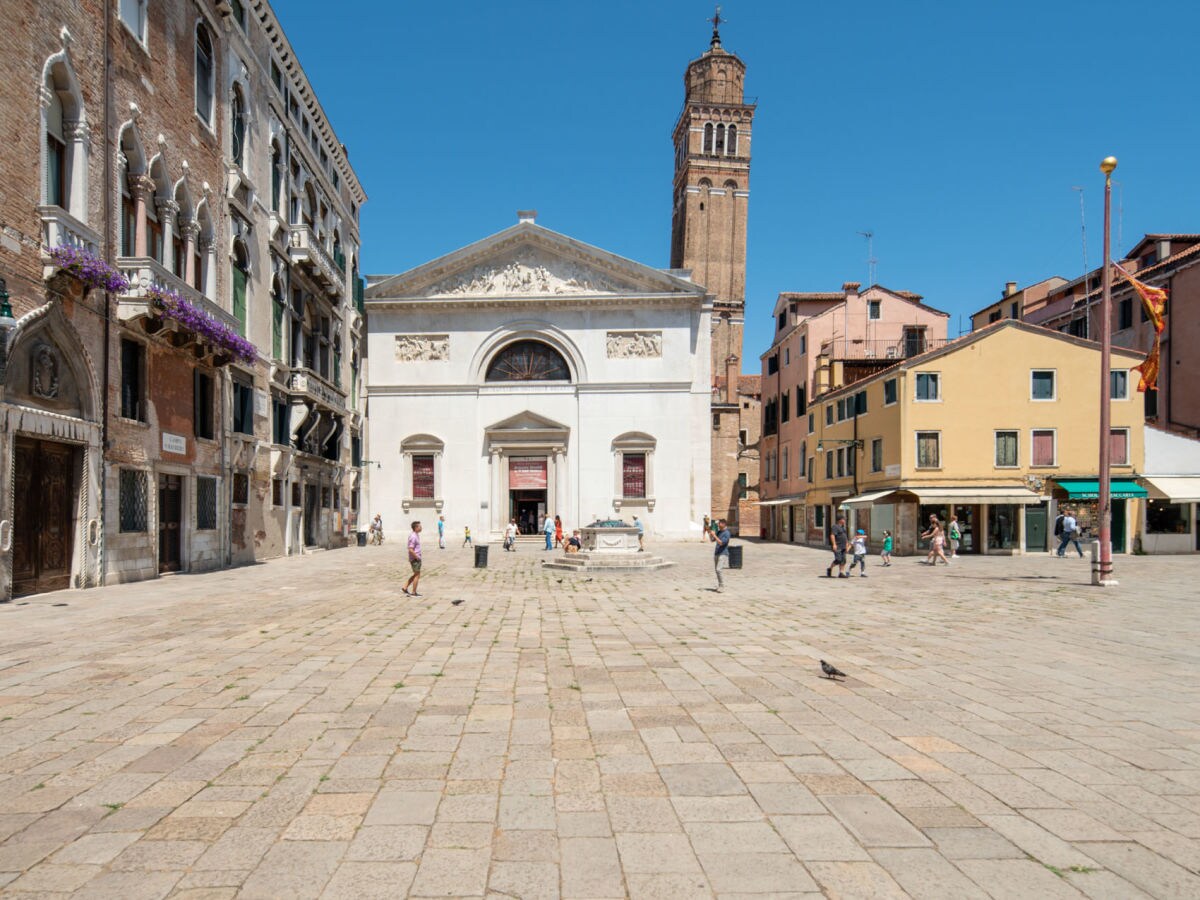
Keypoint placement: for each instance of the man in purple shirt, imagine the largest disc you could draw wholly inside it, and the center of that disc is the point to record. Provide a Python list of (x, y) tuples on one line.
[(414, 560)]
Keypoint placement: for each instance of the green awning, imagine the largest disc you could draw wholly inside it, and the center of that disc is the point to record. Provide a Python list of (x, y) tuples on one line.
[(1089, 488)]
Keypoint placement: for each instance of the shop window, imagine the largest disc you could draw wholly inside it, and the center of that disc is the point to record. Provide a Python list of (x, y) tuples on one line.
[(202, 404), (241, 488), (1118, 443), (1168, 518), (1002, 526), (928, 386), (243, 408), (1043, 450), (206, 503), (133, 380), (929, 450), (1118, 384), (132, 500), (1041, 384), (1006, 449), (422, 478)]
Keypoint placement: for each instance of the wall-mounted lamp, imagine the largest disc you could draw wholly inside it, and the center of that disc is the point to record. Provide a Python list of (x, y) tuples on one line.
[(6, 314), (852, 442), (367, 463)]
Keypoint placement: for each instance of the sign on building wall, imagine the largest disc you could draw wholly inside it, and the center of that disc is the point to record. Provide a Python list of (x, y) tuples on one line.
[(174, 443), (527, 473)]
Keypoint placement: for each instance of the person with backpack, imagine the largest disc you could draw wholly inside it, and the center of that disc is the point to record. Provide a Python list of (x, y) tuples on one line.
[(1058, 525), (1068, 533), (955, 536)]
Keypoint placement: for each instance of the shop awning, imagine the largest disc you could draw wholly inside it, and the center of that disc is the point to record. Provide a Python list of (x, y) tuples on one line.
[(967, 495), (1089, 488), (1176, 488), (773, 502), (864, 500)]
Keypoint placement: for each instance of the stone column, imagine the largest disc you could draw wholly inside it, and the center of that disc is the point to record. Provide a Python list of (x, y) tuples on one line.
[(562, 500), (190, 229), (494, 476), (142, 188), (618, 474), (208, 247), (168, 211), (79, 141)]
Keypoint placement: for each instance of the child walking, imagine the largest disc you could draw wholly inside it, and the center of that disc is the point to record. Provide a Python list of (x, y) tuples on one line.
[(467, 536), (886, 553), (860, 554)]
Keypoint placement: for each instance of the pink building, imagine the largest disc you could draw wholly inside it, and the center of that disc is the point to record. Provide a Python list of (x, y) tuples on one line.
[(823, 341)]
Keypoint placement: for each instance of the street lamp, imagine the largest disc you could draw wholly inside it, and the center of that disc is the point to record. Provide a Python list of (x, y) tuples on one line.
[(6, 314), (844, 442)]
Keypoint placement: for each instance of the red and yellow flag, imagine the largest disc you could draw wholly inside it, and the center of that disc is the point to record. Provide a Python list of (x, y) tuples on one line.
[(1154, 301)]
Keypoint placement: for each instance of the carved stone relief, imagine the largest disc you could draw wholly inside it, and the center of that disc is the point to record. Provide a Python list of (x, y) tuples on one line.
[(422, 347), (531, 274), (44, 372), (634, 344)]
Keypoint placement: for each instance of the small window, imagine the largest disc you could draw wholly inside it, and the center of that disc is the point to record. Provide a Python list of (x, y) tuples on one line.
[(1006, 449), (1042, 447), (829, 414), (325, 498), (633, 476), (800, 462), (205, 71), (860, 403), (929, 450), (785, 407), (1118, 446), (889, 392), (928, 386), (206, 503), (743, 493), (1118, 384), (237, 127), (781, 321), (280, 421), (994, 316), (1125, 314), (772, 363), (1014, 311), (787, 356), (819, 516), (133, 14), (743, 437), (243, 408), (877, 455), (202, 404), (828, 465), (296, 494), (422, 478), (277, 492), (1041, 384), (812, 422), (873, 309), (841, 462), (784, 455), (803, 344), (801, 400), (133, 500), (1150, 404), (241, 488), (276, 76), (133, 374)]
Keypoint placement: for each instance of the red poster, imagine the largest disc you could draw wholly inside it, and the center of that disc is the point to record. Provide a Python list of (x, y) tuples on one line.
[(527, 473)]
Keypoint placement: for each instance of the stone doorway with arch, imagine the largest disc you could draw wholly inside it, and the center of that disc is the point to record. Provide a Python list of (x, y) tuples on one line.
[(527, 472)]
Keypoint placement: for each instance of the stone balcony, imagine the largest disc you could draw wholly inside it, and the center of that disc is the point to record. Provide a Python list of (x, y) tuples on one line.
[(308, 384), (146, 272), (60, 228), (306, 250)]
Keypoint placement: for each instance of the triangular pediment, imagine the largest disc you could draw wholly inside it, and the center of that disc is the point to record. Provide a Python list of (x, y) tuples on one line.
[(528, 261), (526, 421)]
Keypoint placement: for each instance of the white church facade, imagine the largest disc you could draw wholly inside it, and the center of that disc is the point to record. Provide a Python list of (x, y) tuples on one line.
[(531, 375)]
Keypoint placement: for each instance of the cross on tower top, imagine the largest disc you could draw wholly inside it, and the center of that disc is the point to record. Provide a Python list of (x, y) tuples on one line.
[(716, 24)]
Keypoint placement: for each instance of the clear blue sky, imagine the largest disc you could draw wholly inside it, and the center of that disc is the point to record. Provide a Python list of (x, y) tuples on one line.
[(955, 131)]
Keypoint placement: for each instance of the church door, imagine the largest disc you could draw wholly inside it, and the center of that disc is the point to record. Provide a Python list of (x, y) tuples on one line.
[(43, 515), (170, 518)]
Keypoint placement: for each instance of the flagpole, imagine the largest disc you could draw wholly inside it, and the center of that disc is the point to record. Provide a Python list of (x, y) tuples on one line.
[(1104, 573)]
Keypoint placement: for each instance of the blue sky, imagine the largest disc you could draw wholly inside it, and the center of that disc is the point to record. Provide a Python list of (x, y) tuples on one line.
[(954, 131)]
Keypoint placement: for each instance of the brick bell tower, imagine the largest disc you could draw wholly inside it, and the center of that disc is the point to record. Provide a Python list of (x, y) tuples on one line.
[(712, 189)]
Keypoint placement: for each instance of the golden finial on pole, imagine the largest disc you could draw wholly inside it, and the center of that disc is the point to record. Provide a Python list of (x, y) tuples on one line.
[(1108, 164)]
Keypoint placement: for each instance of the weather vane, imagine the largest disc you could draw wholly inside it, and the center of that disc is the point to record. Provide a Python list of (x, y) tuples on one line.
[(716, 24)]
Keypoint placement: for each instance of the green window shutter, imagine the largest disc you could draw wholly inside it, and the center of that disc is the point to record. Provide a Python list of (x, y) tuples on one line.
[(277, 330), (239, 299)]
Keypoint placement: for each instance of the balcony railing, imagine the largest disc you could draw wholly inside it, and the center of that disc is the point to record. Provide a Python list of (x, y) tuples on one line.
[(313, 386), (146, 272), (306, 249), (880, 351), (60, 228)]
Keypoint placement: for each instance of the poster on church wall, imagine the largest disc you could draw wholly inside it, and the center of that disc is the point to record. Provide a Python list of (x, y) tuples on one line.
[(527, 473)]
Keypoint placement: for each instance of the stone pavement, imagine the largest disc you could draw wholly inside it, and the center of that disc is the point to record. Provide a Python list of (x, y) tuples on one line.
[(301, 729)]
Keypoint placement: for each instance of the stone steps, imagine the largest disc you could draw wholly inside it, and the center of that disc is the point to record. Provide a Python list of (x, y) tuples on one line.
[(606, 562)]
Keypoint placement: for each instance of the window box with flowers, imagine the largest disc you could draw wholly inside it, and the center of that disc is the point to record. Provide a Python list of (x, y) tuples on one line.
[(89, 269), (192, 323)]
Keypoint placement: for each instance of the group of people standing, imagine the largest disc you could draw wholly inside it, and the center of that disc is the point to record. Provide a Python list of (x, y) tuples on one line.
[(552, 530)]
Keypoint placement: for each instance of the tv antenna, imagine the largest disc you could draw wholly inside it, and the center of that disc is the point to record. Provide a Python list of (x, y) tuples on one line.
[(1082, 228), (871, 260)]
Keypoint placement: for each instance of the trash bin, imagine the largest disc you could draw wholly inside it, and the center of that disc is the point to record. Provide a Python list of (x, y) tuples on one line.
[(362, 539), (481, 556), (735, 556)]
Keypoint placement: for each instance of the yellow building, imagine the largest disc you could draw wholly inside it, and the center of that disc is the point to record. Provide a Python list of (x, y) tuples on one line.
[(1000, 427)]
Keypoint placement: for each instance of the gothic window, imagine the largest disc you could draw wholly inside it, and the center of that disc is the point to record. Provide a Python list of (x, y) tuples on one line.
[(205, 71), (719, 147), (240, 275), (64, 140), (528, 361), (237, 123), (128, 214), (708, 137), (205, 254), (731, 141), (154, 226)]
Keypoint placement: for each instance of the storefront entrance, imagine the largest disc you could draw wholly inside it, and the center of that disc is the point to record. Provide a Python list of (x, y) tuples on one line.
[(968, 525), (44, 500), (170, 518), (528, 492)]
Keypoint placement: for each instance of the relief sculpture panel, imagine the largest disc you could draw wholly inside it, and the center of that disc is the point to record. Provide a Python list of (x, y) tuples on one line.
[(634, 344), (531, 274), (422, 347)]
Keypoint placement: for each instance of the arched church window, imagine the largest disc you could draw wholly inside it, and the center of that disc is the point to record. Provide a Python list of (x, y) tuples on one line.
[(708, 137), (731, 185), (719, 147), (731, 141), (528, 361)]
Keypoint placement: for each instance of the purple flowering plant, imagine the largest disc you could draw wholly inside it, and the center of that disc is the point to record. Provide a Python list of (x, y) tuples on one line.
[(174, 305), (89, 268)]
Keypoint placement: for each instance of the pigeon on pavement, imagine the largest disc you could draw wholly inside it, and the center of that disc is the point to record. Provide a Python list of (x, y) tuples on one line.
[(455, 602), (831, 671)]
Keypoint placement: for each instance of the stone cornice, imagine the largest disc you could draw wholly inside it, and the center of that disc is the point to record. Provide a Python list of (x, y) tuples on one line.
[(557, 301)]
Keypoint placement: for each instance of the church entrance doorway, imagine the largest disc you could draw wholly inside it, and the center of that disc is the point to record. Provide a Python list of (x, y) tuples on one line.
[(43, 515), (527, 491)]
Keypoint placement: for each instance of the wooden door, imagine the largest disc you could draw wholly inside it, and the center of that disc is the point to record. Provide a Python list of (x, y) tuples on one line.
[(170, 516), (43, 515)]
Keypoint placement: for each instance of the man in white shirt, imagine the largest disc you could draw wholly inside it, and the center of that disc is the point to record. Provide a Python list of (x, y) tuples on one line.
[(510, 535), (1070, 534)]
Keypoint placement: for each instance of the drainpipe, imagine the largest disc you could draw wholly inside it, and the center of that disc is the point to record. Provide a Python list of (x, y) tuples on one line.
[(101, 554)]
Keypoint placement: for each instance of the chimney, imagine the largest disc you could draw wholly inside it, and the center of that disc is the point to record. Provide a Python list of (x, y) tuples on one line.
[(1164, 249), (851, 288), (731, 379), (1010, 288), (527, 215)]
